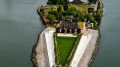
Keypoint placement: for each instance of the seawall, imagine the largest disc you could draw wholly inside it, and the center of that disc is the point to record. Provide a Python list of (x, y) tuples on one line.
[(90, 49), (40, 55), (43, 55)]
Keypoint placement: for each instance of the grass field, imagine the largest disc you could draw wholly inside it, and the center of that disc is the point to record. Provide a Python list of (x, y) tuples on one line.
[(65, 45)]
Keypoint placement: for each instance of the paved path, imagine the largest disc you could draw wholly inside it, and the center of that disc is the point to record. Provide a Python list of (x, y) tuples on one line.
[(86, 57), (85, 49), (66, 35), (50, 46)]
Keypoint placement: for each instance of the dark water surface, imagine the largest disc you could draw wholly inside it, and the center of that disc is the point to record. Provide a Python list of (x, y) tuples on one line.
[(19, 28), (109, 48)]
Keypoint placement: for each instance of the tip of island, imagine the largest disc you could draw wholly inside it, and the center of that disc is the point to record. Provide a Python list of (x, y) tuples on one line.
[(71, 35)]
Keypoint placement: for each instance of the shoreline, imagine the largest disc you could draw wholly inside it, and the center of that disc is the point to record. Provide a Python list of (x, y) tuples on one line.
[(96, 47), (40, 53)]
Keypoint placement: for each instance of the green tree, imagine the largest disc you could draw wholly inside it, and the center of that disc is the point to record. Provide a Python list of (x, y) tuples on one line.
[(50, 2), (89, 17), (80, 15), (72, 9), (92, 1), (53, 12), (66, 1), (59, 9), (51, 17), (65, 7), (60, 15), (98, 17), (60, 2)]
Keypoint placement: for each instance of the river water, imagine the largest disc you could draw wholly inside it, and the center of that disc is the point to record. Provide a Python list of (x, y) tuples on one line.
[(19, 28), (20, 25), (109, 48)]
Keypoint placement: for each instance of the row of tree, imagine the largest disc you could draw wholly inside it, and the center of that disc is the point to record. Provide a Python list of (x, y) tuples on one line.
[(63, 2), (60, 14), (92, 1), (60, 2)]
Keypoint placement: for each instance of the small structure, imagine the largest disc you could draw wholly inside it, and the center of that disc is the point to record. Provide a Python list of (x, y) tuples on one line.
[(68, 27)]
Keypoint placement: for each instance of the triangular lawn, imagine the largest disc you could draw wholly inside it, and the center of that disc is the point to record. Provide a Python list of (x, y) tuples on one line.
[(65, 45)]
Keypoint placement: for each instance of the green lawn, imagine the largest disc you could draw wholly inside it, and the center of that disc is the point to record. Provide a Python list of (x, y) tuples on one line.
[(65, 45)]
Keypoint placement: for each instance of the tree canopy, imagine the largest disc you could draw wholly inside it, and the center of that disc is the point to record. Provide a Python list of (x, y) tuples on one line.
[(65, 7), (80, 15), (51, 17), (92, 1), (89, 17), (60, 2), (59, 9)]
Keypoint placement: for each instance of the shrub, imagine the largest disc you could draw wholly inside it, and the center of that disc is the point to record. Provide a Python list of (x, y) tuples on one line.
[(80, 15), (53, 12), (50, 2), (98, 17), (65, 7), (51, 17), (92, 1), (59, 9), (89, 17)]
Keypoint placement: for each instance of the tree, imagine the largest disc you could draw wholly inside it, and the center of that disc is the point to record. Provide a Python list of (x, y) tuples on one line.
[(59, 9), (51, 17), (93, 21), (89, 17), (72, 9), (80, 15), (53, 12), (66, 1), (65, 7), (50, 2), (60, 14), (98, 17), (92, 1), (60, 2)]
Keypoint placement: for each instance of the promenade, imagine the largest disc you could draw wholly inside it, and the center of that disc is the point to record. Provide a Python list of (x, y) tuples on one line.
[(85, 49)]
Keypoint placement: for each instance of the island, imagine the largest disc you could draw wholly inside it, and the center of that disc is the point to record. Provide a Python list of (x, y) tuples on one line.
[(71, 36)]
